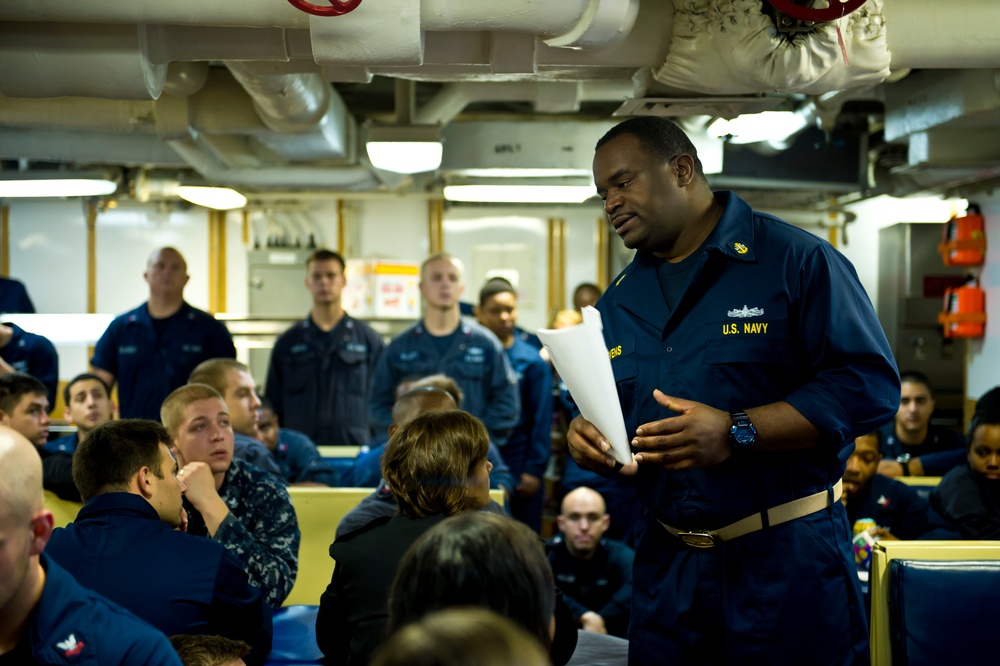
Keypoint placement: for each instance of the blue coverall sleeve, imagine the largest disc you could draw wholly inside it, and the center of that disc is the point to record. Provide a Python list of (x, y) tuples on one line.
[(44, 365), (383, 392), (855, 386), (221, 342), (310, 466), (500, 475), (239, 610), (503, 403), (539, 411), (106, 350), (275, 381), (942, 462)]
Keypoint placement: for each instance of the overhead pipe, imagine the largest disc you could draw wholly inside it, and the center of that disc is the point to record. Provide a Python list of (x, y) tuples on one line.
[(580, 23), (288, 176), (452, 99)]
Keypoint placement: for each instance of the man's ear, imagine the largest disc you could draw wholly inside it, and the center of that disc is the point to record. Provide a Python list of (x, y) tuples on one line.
[(4, 418), (606, 521), (41, 530), (143, 481), (67, 416), (560, 523)]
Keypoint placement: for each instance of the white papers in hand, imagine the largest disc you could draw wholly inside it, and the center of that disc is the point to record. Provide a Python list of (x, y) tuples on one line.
[(581, 359)]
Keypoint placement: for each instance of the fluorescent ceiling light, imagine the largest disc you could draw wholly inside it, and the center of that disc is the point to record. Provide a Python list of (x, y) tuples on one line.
[(519, 193), (504, 172), (404, 148), (405, 156), (219, 198), (754, 127), (56, 187)]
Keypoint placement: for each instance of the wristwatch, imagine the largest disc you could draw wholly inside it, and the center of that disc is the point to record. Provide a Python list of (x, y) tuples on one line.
[(904, 460), (742, 434)]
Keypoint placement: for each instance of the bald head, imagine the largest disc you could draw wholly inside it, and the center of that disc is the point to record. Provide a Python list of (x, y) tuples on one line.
[(583, 497), (418, 401), (20, 476), (583, 521), (25, 528)]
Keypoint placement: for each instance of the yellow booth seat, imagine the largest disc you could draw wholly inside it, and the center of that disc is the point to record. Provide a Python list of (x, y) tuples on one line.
[(886, 551), (64, 510), (319, 510)]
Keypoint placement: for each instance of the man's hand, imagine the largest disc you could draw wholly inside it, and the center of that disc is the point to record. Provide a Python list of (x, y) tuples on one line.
[(889, 467), (589, 448), (529, 485), (883, 534), (200, 482), (591, 621), (698, 437), (201, 492)]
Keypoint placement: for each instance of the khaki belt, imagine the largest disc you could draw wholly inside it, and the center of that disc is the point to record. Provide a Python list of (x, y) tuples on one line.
[(775, 516)]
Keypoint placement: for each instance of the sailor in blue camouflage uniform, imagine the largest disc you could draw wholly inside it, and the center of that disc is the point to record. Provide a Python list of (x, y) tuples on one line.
[(152, 349), (766, 359), (528, 450), (46, 617), (235, 503), (442, 342), (32, 354), (321, 368)]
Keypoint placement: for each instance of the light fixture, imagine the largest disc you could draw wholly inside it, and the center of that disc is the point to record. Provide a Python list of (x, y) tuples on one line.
[(404, 148), (552, 190), (219, 198), (754, 127), (35, 184)]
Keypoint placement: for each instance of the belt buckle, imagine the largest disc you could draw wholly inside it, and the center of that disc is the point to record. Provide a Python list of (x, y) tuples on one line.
[(699, 538)]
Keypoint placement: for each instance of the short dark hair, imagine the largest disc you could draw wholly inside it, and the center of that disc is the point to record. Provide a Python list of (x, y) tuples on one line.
[(415, 402), (427, 462), (16, 385), (172, 409), (83, 376), (494, 286), (916, 377), (208, 650), (114, 452), (658, 136), (443, 382), (323, 254), (987, 412), (215, 372), (476, 559)]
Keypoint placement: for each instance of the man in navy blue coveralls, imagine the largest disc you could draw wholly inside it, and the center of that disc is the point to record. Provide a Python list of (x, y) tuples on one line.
[(443, 342), (152, 349), (321, 368), (32, 354), (528, 449), (746, 355), (46, 617)]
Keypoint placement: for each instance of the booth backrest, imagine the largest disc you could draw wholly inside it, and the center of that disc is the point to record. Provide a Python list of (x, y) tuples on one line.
[(319, 510), (942, 608), (924, 485), (944, 612), (64, 511)]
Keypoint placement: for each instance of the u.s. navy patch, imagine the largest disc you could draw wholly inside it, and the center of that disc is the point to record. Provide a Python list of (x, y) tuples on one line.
[(740, 248)]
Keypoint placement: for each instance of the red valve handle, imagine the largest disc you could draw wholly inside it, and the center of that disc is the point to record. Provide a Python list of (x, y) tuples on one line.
[(836, 10), (336, 8)]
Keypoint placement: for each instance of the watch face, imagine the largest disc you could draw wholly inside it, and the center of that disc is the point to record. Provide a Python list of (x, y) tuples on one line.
[(744, 435)]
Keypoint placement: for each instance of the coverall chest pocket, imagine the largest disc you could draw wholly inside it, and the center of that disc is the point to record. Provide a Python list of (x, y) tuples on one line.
[(750, 354), (300, 370), (356, 374)]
